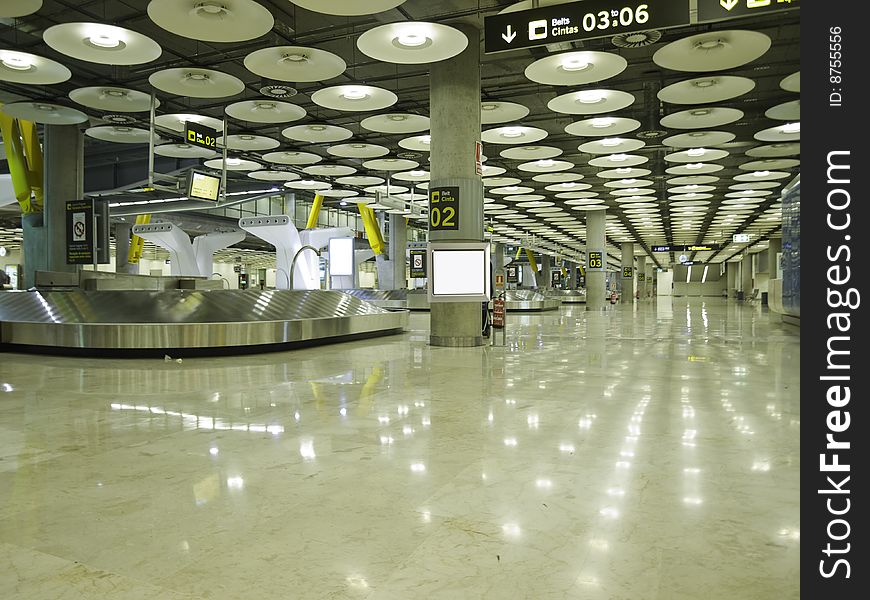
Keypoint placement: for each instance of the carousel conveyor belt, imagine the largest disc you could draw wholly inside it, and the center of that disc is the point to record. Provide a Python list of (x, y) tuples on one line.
[(179, 322)]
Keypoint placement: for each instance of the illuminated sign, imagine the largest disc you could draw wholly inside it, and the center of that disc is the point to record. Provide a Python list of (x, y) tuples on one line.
[(595, 261), (627, 272), (716, 10), (202, 186), (690, 248), (741, 238), (200, 135), (580, 21), (444, 209), (418, 264)]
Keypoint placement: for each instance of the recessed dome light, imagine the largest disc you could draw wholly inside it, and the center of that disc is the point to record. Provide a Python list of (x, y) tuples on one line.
[(701, 112), (695, 166), (317, 127), (511, 132), (18, 62), (546, 163), (234, 162), (704, 83), (411, 39), (791, 127), (488, 106), (602, 123), (354, 93), (590, 97), (426, 139), (618, 158), (575, 64), (610, 142), (696, 151), (623, 170), (418, 173), (761, 173)]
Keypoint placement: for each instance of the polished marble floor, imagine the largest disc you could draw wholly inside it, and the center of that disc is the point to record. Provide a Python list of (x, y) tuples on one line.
[(643, 453)]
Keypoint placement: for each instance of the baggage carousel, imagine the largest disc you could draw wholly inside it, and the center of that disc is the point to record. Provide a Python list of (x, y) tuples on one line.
[(529, 301), (393, 299), (185, 322), (568, 296)]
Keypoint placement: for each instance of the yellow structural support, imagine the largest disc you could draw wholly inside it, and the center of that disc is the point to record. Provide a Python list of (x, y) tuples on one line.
[(315, 212), (17, 161), (373, 231), (33, 152), (532, 260), (137, 244), (519, 251)]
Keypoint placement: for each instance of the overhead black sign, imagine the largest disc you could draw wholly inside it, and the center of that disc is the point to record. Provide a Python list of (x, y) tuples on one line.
[(627, 272), (715, 10), (444, 209), (690, 248), (556, 278), (418, 264), (512, 274), (580, 21), (595, 260), (641, 276), (200, 135), (80, 232)]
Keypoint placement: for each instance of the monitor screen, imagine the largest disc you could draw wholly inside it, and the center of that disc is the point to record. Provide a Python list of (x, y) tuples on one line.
[(341, 257), (459, 272), (204, 187)]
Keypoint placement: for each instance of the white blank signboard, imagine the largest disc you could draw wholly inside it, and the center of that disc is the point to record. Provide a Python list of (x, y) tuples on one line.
[(341, 257), (458, 272)]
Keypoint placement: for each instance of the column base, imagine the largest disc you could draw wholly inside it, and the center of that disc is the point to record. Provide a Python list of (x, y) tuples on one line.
[(455, 341)]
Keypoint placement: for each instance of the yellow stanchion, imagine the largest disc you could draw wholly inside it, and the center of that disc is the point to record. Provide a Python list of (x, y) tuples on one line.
[(315, 212)]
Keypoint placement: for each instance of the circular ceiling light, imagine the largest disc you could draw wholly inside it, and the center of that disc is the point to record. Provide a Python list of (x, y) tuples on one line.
[(546, 165), (358, 150), (45, 113), (693, 180), (417, 143), (790, 132), (792, 83), (329, 170), (712, 51), (103, 44), (317, 133), (273, 175), (513, 135), (511, 190), (338, 193), (354, 98), (361, 180), (775, 150), (348, 7), (628, 183), (703, 90), (611, 146), (412, 42), (416, 175), (602, 126), (618, 160), (289, 157), (694, 169), (386, 189), (492, 112), (590, 102), (248, 142), (575, 68), (196, 83), (119, 134), (233, 164), (770, 164), (265, 111), (19, 8), (492, 171), (112, 99), (307, 184), (23, 67), (390, 164), (755, 185), (396, 123), (526, 153), (623, 173), (212, 20), (787, 111), (295, 63), (696, 139), (560, 177), (175, 150), (762, 176), (501, 182), (701, 118), (694, 155), (177, 121)]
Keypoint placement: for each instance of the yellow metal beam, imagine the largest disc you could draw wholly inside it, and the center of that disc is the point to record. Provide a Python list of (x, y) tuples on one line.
[(532, 260), (373, 231), (33, 152), (17, 161), (315, 212), (519, 251)]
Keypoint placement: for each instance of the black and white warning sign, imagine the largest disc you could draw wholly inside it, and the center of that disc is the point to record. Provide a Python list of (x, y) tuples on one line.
[(418, 263), (79, 232)]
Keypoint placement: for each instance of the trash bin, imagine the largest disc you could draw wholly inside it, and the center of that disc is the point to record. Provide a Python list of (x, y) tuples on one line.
[(740, 295), (763, 298)]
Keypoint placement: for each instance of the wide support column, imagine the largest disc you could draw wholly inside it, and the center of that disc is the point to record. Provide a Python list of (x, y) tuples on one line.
[(731, 278), (627, 282), (641, 277), (595, 242), (398, 246), (122, 247), (746, 276), (774, 247), (63, 180), (498, 257), (572, 273), (454, 95), (546, 272)]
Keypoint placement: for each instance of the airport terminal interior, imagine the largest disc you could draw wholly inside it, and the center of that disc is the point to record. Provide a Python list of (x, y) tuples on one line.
[(399, 299)]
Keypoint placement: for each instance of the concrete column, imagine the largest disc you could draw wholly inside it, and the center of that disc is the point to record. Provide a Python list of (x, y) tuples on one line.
[(627, 282), (497, 257), (398, 246), (454, 96), (63, 180), (641, 281), (731, 278), (746, 275), (774, 247), (573, 272), (595, 242), (546, 281), (122, 247)]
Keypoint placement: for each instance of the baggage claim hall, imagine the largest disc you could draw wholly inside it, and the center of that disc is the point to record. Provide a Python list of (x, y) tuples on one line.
[(399, 299)]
